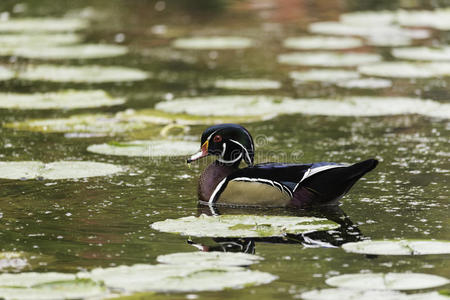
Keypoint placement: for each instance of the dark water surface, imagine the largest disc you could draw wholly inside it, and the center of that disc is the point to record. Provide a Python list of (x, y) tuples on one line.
[(104, 221)]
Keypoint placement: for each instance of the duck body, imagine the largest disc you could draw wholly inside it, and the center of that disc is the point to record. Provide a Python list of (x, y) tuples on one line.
[(268, 184)]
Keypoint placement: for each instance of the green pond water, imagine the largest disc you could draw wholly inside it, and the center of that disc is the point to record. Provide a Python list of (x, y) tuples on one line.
[(73, 225)]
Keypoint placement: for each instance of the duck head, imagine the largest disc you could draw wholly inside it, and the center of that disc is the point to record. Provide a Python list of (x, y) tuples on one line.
[(230, 142)]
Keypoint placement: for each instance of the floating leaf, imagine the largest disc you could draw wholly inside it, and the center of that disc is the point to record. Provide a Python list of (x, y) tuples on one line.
[(407, 70), (389, 40), (348, 294), (177, 278), (328, 59), (5, 74), (42, 24), (387, 281), (209, 259), (214, 42), (367, 30), (322, 42), (69, 99), (402, 247), (247, 84), (153, 148), (30, 279), (85, 51), (365, 83), (96, 123), (384, 17), (87, 74), (323, 75), (56, 170), (422, 53), (265, 106), (243, 225), (161, 117)]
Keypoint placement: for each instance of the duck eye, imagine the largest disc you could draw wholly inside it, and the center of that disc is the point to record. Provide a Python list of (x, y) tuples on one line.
[(217, 139)]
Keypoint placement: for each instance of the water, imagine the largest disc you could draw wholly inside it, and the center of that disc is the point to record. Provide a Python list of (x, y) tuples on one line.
[(74, 225)]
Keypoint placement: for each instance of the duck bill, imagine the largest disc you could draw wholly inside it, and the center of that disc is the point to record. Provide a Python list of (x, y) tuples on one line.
[(202, 153)]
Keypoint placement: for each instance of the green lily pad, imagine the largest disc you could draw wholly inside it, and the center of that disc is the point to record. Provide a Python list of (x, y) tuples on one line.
[(328, 59), (152, 148), (407, 69), (321, 42), (213, 43), (177, 278), (69, 289), (95, 123), (323, 75), (209, 259), (365, 83), (68, 99), (85, 51), (55, 170), (161, 117), (387, 281), (423, 53), (42, 24), (86, 74), (367, 30), (348, 294), (242, 225), (402, 247), (5, 74), (266, 106), (247, 84)]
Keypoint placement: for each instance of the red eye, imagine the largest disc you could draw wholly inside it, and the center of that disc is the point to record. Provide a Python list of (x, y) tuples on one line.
[(217, 139)]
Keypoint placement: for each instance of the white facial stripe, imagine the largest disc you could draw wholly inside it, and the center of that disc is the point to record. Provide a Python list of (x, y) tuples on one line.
[(212, 134), (230, 161), (224, 146), (216, 190), (245, 149)]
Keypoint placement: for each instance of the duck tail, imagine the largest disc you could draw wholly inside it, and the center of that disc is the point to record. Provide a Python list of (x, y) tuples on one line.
[(334, 183)]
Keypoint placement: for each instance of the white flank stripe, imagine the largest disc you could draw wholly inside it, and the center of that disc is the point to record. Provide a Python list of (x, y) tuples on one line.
[(216, 190)]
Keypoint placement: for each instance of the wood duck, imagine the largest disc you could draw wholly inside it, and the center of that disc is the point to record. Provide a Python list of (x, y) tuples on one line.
[(267, 184)]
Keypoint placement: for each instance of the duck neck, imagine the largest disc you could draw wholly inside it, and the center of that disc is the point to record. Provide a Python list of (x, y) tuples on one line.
[(212, 176)]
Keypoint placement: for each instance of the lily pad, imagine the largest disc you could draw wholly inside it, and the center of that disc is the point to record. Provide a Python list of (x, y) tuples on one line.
[(407, 69), (323, 75), (322, 42), (177, 278), (378, 18), (387, 281), (5, 74), (13, 261), (389, 40), (30, 279), (247, 84), (243, 225), (161, 117), (95, 123), (68, 99), (348, 294), (269, 106), (9, 43), (367, 30), (365, 83), (210, 259), (69, 289), (328, 59), (423, 53), (55, 170), (85, 51), (85, 74), (402, 247), (152, 148), (213, 43), (42, 24)]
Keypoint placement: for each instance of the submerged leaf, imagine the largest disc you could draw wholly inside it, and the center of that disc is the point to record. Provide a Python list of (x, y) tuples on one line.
[(87, 74), (213, 42), (387, 281), (56, 170), (243, 225), (69, 99), (328, 59), (151, 148), (402, 247)]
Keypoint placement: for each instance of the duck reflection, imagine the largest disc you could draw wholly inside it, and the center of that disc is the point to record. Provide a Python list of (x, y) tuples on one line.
[(345, 233)]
